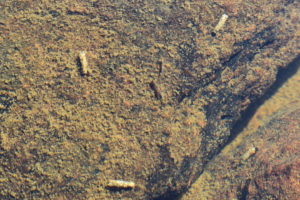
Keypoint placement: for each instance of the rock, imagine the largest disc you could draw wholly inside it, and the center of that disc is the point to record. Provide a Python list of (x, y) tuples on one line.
[(278, 160), (163, 92), (270, 173)]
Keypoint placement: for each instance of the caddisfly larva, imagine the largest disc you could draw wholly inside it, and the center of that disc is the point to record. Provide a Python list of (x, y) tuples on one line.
[(221, 22), (84, 64), (120, 184), (249, 153)]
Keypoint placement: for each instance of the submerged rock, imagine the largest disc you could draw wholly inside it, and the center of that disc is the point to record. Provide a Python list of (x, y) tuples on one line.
[(163, 91), (270, 173)]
